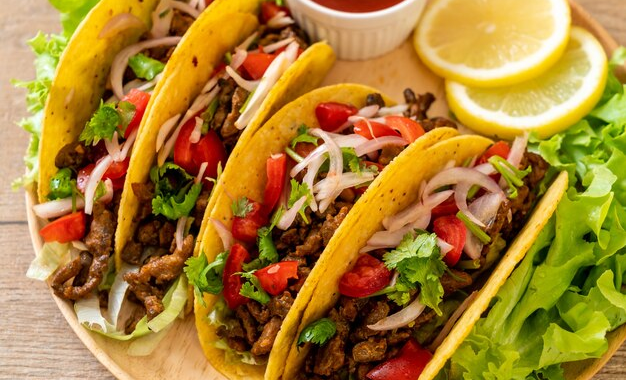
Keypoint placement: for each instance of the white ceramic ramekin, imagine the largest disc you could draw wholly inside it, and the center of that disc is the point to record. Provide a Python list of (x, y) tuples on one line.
[(357, 36)]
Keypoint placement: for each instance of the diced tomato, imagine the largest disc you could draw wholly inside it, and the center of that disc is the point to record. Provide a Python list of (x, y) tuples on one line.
[(451, 230), (220, 67), (333, 115), (118, 183), (410, 129), (273, 278), (407, 365), (191, 156), (117, 169), (256, 64), (368, 276), (276, 168), (140, 100), (83, 177), (501, 148), (65, 229), (370, 129), (245, 228), (232, 282), (448, 207), (269, 9)]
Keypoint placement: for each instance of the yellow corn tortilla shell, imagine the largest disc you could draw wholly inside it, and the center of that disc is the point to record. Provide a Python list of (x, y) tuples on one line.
[(81, 78), (213, 35), (387, 197), (245, 175)]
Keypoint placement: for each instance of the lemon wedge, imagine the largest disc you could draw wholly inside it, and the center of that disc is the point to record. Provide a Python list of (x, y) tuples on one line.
[(547, 104), (487, 43)]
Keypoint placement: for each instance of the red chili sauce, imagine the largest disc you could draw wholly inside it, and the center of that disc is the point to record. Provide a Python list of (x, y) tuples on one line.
[(358, 6)]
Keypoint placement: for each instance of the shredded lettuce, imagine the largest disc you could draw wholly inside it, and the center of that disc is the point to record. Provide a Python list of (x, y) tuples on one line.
[(48, 260), (234, 357), (567, 294), (48, 50)]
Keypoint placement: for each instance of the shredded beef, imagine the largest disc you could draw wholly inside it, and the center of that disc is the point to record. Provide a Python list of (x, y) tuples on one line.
[(455, 281), (371, 350), (265, 342), (99, 241), (388, 153), (312, 244), (437, 122), (279, 305), (260, 312), (331, 224), (143, 191), (201, 205), (248, 322), (74, 155), (181, 22), (331, 357), (375, 99), (83, 275), (239, 98), (418, 105)]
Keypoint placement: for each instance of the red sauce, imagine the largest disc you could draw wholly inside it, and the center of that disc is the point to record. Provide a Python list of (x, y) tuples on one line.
[(358, 6)]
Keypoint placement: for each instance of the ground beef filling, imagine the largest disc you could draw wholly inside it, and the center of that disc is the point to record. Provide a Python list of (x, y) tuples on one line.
[(355, 349)]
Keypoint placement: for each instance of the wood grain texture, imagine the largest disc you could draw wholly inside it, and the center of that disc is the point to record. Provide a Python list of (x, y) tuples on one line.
[(35, 340)]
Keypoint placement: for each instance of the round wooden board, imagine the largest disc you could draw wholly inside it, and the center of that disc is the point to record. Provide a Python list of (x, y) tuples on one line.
[(179, 355)]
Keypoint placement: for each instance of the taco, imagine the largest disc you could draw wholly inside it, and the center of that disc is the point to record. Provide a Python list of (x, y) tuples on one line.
[(93, 160), (282, 203), (419, 257)]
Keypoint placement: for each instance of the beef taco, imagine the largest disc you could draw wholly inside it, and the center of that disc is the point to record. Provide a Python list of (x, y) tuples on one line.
[(141, 78), (281, 209), (421, 254)]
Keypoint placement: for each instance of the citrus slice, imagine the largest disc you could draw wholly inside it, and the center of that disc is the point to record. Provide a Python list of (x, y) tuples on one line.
[(547, 104), (487, 43)]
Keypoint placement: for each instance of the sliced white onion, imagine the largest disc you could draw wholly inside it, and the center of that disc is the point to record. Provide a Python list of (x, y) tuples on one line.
[(444, 246), (450, 323), (516, 154), (379, 143), (186, 8), (121, 60), (92, 184), (195, 135), (224, 233), (347, 180), (279, 21), (58, 207), (290, 215), (161, 19), (472, 247), (248, 41), (201, 5), (461, 190), (180, 232), (395, 110), (401, 318), (165, 130), (210, 84), (485, 168), (276, 69), (369, 111), (277, 45), (149, 85), (333, 178), (344, 141), (388, 239), (486, 207), (416, 211), (238, 58), (248, 85), (203, 167), (79, 245), (113, 147), (119, 23), (108, 195), (128, 144), (309, 177)]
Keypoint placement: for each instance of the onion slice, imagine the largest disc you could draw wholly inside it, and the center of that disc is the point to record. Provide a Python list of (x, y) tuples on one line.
[(58, 207), (94, 179), (195, 135), (277, 45), (165, 130), (180, 232), (186, 8), (379, 143), (369, 111), (224, 233), (113, 147), (203, 167), (248, 85), (401, 318), (290, 215), (395, 110), (450, 323)]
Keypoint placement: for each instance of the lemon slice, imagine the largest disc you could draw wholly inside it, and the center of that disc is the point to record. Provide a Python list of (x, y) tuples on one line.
[(487, 43), (547, 104)]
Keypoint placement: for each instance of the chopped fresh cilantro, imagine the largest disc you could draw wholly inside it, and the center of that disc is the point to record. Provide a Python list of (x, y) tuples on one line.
[(62, 184), (208, 115), (145, 67), (298, 191), (318, 332), (351, 161), (474, 228), (295, 156), (175, 192), (102, 124), (418, 262), (512, 175), (304, 137), (267, 250), (228, 58), (241, 207), (252, 288), (205, 278)]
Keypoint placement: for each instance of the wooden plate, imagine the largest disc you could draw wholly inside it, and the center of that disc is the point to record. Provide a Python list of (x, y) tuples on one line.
[(179, 354)]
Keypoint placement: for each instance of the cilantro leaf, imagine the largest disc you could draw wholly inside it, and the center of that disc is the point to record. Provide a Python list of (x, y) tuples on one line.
[(267, 250), (205, 278), (318, 332), (175, 193), (102, 124), (145, 67), (418, 262), (304, 137), (252, 289), (61, 185), (241, 207), (351, 161), (298, 191)]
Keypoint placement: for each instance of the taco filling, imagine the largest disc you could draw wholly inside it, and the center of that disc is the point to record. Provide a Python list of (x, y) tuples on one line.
[(192, 147), (415, 277), (311, 186)]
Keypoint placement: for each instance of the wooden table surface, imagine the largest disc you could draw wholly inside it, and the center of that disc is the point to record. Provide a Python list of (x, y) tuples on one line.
[(35, 340)]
